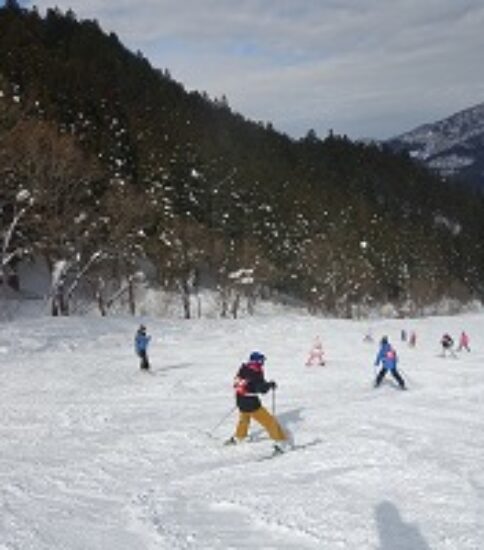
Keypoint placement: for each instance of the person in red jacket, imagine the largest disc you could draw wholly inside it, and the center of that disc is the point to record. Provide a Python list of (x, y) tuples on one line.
[(463, 342), (248, 383)]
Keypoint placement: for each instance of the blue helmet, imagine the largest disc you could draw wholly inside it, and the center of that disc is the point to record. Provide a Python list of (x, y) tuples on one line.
[(257, 357)]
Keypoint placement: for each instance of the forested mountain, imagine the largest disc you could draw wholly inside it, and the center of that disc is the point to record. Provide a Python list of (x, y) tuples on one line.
[(452, 147), (106, 161)]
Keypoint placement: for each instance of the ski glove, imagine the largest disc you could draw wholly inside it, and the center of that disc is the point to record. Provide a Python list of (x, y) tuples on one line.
[(272, 385)]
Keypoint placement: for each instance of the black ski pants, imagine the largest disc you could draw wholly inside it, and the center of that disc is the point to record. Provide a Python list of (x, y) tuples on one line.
[(395, 374), (144, 364)]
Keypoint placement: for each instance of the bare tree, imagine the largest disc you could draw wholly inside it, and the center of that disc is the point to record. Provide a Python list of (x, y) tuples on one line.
[(10, 251), (127, 288), (66, 277)]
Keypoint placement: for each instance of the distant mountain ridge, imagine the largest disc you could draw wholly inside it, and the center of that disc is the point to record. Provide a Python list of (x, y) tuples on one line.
[(453, 147)]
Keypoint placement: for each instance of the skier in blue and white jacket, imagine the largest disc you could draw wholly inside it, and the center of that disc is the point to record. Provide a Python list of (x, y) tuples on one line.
[(388, 359)]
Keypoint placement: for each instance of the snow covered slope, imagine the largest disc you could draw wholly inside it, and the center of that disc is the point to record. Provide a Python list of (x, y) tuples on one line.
[(96, 455), (452, 147)]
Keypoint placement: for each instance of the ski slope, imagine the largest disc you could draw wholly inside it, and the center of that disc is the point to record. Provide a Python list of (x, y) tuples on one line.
[(97, 455)]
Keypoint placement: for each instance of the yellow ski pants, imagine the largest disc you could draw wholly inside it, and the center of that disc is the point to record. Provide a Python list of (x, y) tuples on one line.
[(265, 419)]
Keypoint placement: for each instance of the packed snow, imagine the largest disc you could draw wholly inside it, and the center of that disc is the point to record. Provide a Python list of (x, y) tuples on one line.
[(98, 455)]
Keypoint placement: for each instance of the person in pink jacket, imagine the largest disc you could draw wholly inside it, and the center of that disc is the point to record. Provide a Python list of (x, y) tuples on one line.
[(463, 342), (316, 355)]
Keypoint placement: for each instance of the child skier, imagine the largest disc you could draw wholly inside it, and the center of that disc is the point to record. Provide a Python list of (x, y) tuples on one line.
[(316, 355), (141, 342), (447, 343), (463, 342), (249, 382), (387, 356), (412, 341)]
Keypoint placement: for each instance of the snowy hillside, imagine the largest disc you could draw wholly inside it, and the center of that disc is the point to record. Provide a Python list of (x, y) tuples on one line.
[(97, 455), (453, 146)]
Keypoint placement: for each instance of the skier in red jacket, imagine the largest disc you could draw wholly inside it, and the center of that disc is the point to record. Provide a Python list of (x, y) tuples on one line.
[(463, 342)]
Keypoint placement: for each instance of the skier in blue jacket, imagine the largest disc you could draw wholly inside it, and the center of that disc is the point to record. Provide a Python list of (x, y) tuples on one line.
[(387, 357), (141, 342)]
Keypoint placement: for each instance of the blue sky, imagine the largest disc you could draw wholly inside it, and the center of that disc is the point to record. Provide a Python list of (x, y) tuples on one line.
[(367, 68)]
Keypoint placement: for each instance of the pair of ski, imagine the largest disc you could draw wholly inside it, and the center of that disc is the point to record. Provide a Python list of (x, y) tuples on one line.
[(295, 447), (278, 451)]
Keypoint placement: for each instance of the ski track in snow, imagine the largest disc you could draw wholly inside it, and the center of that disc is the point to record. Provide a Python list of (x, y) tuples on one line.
[(95, 454)]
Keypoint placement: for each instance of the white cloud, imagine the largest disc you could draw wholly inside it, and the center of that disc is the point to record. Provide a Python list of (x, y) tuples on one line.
[(363, 67)]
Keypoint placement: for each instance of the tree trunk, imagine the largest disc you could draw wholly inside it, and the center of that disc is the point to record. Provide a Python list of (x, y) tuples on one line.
[(131, 299), (185, 295), (60, 305), (250, 303), (101, 304), (225, 305), (235, 306)]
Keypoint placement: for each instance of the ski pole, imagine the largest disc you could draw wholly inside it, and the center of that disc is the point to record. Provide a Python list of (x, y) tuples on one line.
[(405, 376), (376, 370), (273, 401), (222, 420)]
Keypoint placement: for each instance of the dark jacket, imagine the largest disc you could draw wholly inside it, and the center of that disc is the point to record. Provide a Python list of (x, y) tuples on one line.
[(447, 341), (248, 382)]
